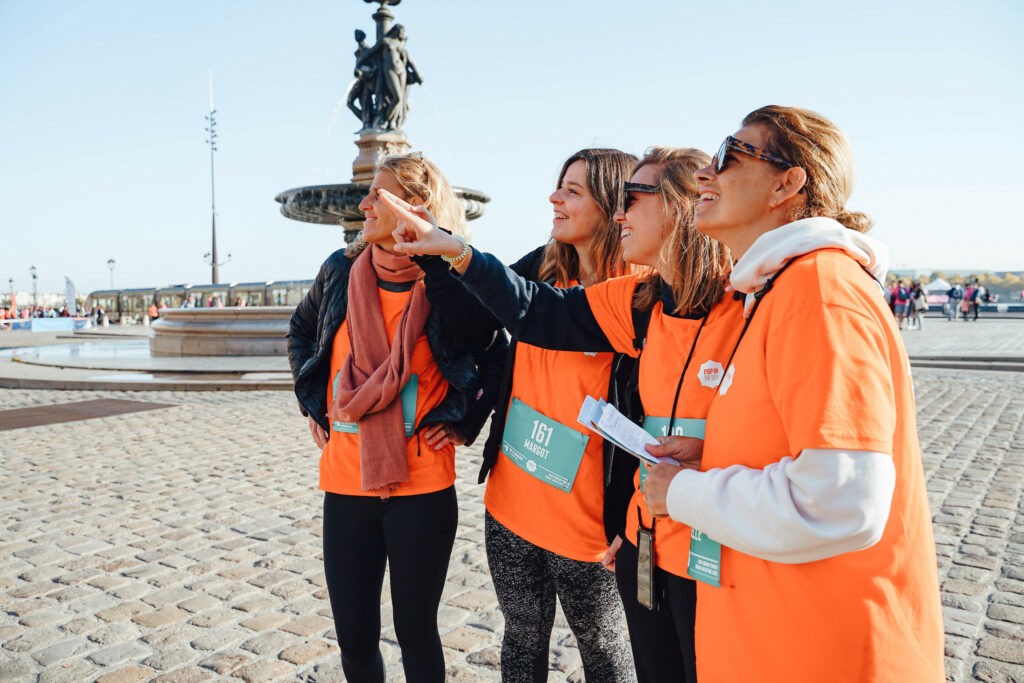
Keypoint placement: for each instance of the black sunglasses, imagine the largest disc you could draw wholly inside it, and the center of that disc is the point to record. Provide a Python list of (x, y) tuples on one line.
[(718, 161), (628, 188)]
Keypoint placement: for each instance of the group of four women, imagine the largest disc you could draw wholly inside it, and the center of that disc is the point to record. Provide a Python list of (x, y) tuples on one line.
[(731, 306)]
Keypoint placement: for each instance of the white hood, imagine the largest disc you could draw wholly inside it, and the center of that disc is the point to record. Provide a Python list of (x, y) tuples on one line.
[(773, 249)]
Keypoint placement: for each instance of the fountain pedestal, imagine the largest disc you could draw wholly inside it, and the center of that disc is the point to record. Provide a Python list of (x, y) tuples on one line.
[(375, 146), (235, 331)]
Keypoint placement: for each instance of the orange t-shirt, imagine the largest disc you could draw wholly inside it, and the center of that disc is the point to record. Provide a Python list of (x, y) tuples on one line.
[(429, 470), (568, 524), (669, 340), (823, 366)]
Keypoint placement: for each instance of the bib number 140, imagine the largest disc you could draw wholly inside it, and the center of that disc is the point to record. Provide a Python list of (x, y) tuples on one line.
[(677, 430)]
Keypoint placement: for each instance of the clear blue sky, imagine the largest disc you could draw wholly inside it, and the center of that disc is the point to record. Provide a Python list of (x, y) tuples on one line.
[(102, 104)]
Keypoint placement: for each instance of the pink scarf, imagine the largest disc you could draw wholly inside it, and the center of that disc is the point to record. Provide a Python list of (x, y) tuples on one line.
[(376, 369)]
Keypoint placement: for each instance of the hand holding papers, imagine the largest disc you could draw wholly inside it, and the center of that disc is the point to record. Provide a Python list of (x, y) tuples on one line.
[(606, 420)]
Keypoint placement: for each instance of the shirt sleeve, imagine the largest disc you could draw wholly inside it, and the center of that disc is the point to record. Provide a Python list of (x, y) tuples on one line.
[(611, 302), (824, 503), (830, 380)]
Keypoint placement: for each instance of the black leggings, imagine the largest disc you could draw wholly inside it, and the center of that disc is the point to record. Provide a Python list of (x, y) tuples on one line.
[(662, 640), (412, 534), (526, 579)]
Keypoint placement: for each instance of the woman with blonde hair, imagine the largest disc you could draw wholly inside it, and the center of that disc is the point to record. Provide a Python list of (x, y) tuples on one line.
[(810, 491), (392, 374), (670, 316)]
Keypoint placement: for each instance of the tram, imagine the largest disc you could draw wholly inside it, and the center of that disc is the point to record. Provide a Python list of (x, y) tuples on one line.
[(130, 306)]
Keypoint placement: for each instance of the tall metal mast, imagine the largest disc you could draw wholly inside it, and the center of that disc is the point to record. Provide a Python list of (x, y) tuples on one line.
[(211, 140)]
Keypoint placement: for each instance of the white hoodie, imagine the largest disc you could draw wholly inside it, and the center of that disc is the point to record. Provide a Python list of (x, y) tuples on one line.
[(825, 502)]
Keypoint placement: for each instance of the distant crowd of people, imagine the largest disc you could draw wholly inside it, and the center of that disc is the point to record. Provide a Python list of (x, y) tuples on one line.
[(966, 302), (98, 314), (8, 313), (908, 301)]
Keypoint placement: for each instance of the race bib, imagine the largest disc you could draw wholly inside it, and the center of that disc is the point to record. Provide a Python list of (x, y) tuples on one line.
[(658, 426), (408, 397), (542, 447), (705, 561)]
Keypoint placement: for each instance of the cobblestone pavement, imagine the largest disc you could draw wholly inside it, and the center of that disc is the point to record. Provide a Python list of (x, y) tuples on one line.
[(183, 544)]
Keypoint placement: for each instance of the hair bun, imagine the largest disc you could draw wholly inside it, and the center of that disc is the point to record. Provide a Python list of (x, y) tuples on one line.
[(855, 220)]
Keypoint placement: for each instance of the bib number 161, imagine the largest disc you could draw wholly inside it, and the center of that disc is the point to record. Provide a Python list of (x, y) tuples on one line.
[(541, 433)]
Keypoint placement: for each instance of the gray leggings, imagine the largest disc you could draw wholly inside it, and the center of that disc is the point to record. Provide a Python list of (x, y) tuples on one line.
[(526, 580)]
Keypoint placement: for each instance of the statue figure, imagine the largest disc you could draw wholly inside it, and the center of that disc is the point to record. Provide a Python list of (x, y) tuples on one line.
[(362, 89), (398, 74), (379, 95)]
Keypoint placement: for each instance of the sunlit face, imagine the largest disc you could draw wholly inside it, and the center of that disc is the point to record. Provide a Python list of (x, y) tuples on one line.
[(740, 195), (577, 215), (646, 225), (381, 221)]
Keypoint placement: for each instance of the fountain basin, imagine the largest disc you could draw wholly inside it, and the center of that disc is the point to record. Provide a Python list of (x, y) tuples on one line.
[(334, 204), (234, 331)]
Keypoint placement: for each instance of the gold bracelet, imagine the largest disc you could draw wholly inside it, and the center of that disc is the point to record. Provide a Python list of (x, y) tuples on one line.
[(456, 261)]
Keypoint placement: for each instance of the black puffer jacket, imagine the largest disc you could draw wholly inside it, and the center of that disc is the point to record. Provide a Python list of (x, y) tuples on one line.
[(464, 339)]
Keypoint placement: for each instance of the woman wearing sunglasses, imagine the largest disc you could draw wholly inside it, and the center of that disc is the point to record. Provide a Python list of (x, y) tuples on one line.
[(811, 477), (393, 374), (681, 356)]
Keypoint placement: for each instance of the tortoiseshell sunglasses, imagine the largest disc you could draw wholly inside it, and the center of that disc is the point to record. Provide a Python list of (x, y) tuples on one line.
[(627, 188), (718, 161)]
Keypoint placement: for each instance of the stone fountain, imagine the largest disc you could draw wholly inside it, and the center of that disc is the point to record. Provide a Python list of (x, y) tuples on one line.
[(379, 97)]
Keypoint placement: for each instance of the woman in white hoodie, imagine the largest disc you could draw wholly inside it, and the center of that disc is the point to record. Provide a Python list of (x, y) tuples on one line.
[(809, 506)]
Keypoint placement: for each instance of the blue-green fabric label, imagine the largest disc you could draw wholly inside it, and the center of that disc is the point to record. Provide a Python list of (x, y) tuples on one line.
[(705, 563), (684, 426), (408, 396), (658, 426), (543, 448)]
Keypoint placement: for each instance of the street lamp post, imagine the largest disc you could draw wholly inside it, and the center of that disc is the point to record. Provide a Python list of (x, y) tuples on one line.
[(32, 270), (211, 131), (110, 264)]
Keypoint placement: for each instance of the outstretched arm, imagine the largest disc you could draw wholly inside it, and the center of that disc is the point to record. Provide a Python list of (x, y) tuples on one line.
[(534, 312)]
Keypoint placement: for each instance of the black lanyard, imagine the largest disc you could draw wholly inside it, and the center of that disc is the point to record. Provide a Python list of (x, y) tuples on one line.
[(672, 415), (758, 298), (686, 366)]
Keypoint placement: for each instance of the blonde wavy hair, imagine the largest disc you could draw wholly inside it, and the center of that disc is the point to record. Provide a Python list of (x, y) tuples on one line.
[(607, 170), (809, 140), (419, 177), (699, 264)]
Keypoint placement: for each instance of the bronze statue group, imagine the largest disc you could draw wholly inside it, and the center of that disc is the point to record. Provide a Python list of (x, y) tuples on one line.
[(379, 94)]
